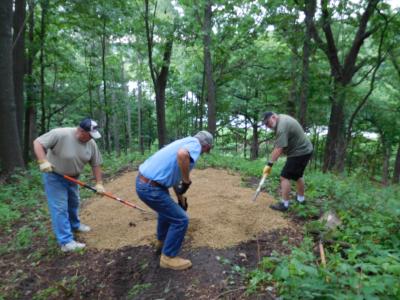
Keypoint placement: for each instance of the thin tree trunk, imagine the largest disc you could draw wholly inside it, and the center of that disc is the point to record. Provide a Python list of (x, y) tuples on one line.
[(140, 133), (254, 144), (30, 109), (396, 171), (211, 92), (128, 107), (114, 118), (292, 99), (103, 63), (159, 78), (387, 151), (304, 84), (19, 63), (10, 147), (201, 102), (161, 84), (44, 5)]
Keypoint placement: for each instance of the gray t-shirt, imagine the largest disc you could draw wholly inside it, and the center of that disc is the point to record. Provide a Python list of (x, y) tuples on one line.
[(291, 137), (66, 153)]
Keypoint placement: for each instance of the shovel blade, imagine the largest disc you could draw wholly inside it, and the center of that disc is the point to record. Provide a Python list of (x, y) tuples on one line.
[(256, 195), (259, 187)]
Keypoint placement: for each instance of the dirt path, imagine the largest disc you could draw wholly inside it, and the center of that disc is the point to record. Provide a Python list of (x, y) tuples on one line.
[(227, 234), (220, 210)]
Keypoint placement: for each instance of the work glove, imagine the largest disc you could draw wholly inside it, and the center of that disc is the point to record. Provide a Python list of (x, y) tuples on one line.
[(182, 187), (267, 170), (99, 187), (182, 201), (45, 166)]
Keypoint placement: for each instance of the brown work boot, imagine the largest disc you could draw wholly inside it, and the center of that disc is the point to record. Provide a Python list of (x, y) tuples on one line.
[(174, 263), (158, 245)]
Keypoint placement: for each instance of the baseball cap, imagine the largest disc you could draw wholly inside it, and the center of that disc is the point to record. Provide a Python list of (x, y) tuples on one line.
[(90, 126), (204, 137)]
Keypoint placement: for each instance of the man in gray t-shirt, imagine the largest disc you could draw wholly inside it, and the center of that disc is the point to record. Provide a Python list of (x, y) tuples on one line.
[(65, 151), (293, 142)]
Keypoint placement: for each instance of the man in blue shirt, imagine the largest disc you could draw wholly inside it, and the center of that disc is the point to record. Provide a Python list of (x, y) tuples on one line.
[(170, 167)]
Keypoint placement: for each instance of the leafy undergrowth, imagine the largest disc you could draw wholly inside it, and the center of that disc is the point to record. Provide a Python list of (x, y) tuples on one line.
[(362, 254)]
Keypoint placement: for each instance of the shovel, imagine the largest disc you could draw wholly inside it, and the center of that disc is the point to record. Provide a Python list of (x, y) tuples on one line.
[(259, 187)]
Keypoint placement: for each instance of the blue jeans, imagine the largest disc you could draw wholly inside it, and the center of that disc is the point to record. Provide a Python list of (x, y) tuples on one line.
[(63, 202), (172, 219)]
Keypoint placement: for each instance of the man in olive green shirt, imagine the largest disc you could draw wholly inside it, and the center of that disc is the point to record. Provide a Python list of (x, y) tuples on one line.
[(66, 151), (293, 142)]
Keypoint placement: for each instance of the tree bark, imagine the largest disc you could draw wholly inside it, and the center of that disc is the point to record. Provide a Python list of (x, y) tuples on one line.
[(140, 133), (30, 108), (335, 147), (396, 171), (105, 100), (161, 84), (114, 123), (210, 84), (128, 107), (342, 74), (10, 147), (305, 75), (387, 151), (254, 142), (160, 77), (19, 63), (44, 5), (292, 99)]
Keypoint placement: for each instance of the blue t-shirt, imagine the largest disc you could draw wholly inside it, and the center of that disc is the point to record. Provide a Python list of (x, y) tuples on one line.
[(162, 166)]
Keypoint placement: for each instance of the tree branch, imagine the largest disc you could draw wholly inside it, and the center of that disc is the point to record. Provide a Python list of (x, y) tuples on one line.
[(380, 59), (359, 38)]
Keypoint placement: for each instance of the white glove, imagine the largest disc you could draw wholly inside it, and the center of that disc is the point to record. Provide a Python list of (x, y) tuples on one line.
[(99, 187), (45, 166)]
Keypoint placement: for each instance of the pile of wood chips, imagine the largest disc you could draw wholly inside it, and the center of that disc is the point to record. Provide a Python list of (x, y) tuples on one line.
[(220, 210)]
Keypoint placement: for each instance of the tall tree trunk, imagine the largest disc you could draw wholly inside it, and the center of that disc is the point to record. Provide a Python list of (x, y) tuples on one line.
[(211, 92), (342, 74), (292, 99), (140, 133), (44, 5), (89, 72), (114, 123), (19, 63), (396, 171), (254, 143), (201, 102), (161, 84), (387, 151), (304, 84), (159, 78), (10, 147), (335, 149), (30, 108), (105, 100), (128, 107)]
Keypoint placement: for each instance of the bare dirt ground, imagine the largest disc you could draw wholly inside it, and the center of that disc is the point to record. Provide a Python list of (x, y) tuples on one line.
[(226, 231)]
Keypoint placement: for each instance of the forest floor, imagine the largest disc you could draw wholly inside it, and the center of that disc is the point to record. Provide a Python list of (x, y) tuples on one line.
[(228, 235)]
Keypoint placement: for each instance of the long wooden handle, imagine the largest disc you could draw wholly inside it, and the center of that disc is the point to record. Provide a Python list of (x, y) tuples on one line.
[(322, 253)]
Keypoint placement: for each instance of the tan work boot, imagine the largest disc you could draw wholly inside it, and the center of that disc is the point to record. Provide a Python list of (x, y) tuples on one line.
[(174, 263)]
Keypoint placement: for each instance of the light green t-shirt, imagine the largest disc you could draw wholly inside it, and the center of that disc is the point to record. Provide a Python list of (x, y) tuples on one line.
[(66, 153), (291, 137)]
